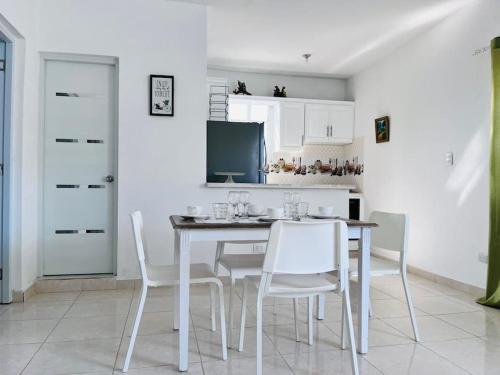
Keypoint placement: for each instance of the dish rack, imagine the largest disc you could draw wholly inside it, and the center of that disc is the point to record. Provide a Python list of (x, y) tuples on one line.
[(218, 103)]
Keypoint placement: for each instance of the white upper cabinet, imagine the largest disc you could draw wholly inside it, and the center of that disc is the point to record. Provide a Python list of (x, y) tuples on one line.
[(329, 123), (291, 125)]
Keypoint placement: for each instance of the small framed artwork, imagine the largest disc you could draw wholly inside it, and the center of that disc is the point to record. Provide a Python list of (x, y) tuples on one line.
[(382, 128), (161, 95)]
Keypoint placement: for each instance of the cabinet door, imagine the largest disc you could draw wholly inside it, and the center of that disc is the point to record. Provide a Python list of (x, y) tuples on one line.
[(317, 122), (342, 122), (291, 125)]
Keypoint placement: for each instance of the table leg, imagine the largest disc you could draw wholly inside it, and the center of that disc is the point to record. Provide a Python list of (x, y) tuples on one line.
[(183, 244), (176, 288), (364, 289)]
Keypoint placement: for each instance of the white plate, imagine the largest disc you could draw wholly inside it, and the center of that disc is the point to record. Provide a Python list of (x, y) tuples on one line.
[(324, 217), (192, 217)]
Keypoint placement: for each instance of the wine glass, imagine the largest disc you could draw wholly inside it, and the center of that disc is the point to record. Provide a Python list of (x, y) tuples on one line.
[(244, 200), (233, 199)]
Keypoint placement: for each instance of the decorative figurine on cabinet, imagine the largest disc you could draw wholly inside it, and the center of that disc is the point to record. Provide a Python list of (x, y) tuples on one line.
[(242, 89), (278, 93)]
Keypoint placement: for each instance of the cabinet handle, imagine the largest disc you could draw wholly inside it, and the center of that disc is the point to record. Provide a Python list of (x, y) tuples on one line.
[(331, 130), (327, 130)]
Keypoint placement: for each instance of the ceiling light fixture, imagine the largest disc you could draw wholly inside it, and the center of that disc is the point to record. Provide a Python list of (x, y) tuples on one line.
[(306, 56)]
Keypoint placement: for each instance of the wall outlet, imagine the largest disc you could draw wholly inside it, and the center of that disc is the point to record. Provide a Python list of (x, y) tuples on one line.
[(448, 158), (483, 258)]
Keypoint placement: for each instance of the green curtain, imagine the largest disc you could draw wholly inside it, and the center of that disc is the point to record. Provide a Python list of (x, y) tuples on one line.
[(492, 297)]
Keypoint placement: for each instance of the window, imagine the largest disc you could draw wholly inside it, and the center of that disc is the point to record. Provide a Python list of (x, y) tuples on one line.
[(255, 110)]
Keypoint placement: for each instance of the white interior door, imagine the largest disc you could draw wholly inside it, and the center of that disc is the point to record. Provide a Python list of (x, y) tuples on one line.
[(79, 168)]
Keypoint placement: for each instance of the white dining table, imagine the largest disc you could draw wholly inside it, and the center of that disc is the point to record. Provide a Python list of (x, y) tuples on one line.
[(189, 231)]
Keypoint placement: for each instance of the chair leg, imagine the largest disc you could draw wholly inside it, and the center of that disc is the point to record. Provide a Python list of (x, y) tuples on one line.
[(274, 305), (343, 326), (410, 307), (370, 310), (243, 315), (231, 315), (212, 308), (348, 314), (222, 322), (259, 336), (310, 305), (137, 322), (320, 314), (296, 318)]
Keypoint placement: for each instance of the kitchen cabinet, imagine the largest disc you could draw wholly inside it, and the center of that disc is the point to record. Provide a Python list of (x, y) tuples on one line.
[(329, 123), (291, 125)]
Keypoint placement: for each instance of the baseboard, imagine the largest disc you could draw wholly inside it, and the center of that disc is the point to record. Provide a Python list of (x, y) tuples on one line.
[(84, 283), (21, 296), (458, 285)]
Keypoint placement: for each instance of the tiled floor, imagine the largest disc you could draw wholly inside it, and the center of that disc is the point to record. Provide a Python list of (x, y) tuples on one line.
[(88, 333)]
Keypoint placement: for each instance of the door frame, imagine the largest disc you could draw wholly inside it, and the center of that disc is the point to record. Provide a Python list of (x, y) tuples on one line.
[(5, 251), (45, 57)]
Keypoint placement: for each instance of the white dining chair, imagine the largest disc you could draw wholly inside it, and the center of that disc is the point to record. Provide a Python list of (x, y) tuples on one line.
[(390, 235), (239, 266), (156, 276), (298, 264)]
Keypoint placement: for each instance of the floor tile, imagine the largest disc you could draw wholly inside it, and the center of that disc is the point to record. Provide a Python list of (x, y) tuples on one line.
[(380, 333), (410, 359), (153, 323), (25, 331), (114, 306), (99, 295), (156, 350), (283, 338), (479, 323), (443, 305), (327, 362), (392, 309), (210, 345), (13, 358), (245, 366), (53, 297), (34, 310), (474, 355), (74, 357), (430, 328), (194, 369), (100, 327)]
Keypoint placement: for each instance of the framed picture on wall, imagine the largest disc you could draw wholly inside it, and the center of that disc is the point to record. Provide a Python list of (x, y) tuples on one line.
[(161, 95), (382, 128)]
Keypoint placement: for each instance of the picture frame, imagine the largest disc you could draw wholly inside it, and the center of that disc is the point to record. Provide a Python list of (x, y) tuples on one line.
[(161, 95), (382, 129)]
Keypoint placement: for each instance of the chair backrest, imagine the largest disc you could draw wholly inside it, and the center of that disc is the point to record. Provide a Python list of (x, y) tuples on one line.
[(391, 233), (137, 226), (307, 247)]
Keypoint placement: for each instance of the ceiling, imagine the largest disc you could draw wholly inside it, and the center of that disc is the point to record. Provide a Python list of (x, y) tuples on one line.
[(343, 36)]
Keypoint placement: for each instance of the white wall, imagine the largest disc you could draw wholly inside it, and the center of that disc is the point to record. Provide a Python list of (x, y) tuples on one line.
[(438, 97), (296, 86), (18, 21), (161, 161)]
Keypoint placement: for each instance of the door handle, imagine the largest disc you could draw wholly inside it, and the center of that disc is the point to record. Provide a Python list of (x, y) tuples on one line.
[(109, 178)]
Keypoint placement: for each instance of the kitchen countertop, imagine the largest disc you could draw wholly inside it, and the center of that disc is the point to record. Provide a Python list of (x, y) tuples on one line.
[(278, 186)]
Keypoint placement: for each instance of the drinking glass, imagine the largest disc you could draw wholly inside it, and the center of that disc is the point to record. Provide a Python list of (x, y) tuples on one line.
[(289, 210), (288, 197), (302, 208), (220, 210), (244, 200), (233, 199), (296, 198)]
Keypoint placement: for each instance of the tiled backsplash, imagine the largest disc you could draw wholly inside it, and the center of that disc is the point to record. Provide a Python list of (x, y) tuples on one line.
[(311, 153)]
